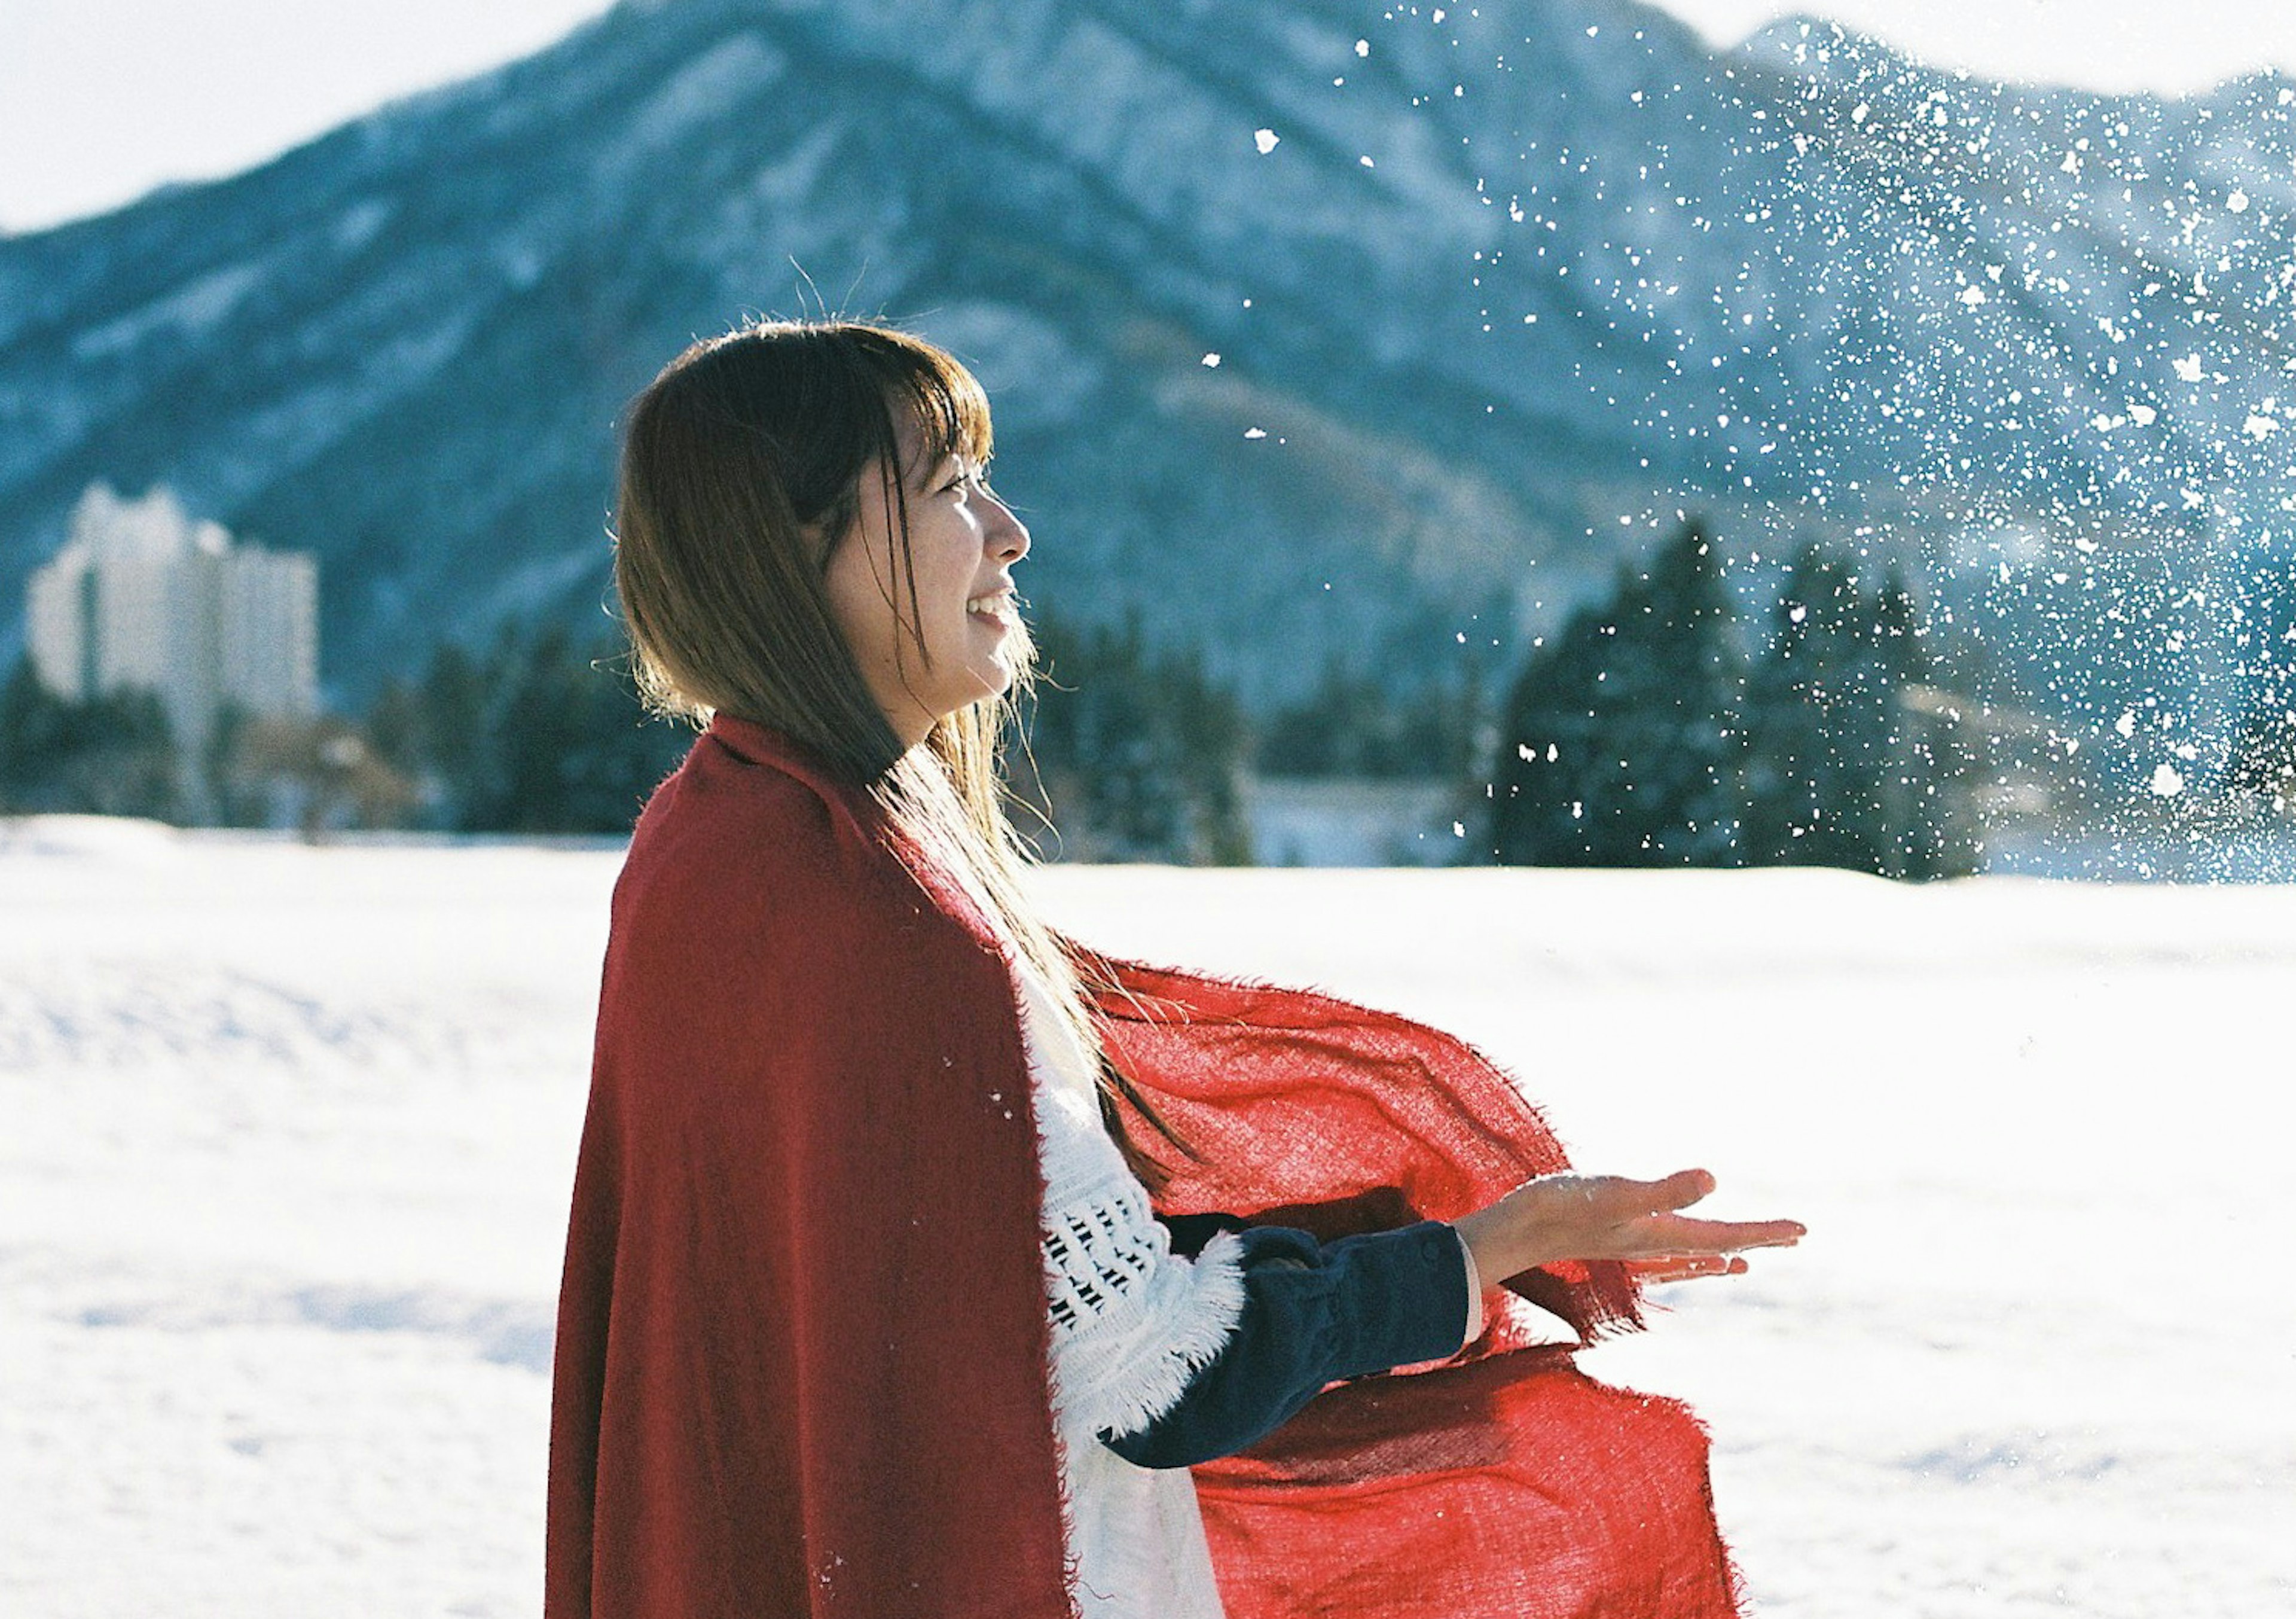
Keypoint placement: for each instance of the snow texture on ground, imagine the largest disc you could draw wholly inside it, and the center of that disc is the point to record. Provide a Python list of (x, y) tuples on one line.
[(290, 1130)]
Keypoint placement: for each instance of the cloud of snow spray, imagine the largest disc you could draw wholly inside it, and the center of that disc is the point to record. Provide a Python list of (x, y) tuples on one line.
[(2030, 345)]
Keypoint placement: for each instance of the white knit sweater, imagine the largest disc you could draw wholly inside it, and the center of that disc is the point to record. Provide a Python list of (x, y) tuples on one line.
[(1131, 1323)]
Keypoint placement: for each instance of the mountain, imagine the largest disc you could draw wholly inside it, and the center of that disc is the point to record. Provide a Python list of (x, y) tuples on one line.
[(1493, 295)]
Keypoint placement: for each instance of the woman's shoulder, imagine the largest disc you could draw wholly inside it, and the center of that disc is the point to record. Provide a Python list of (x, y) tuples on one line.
[(746, 851), (728, 828), (750, 901)]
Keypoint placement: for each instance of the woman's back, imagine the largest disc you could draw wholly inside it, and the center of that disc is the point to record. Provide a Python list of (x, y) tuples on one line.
[(785, 1343)]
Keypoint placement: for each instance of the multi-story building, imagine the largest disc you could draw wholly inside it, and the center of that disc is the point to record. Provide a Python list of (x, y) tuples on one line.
[(142, 595)]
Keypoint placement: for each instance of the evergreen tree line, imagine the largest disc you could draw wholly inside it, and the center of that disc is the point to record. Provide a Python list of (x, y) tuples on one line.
[(1136, 752), (1639, 736), (1133, 752), (113, 755), (1655, 728), (535, 734), (538, 733), (2262, 769), (1355, 725), (1128, 752), (1645, 733)]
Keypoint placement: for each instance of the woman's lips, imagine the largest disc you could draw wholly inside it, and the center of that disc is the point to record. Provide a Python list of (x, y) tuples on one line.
[(995, 609)]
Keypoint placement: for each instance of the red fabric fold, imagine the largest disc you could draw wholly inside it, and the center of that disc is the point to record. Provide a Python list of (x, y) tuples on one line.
[(801, 1354), (1505, 1484)]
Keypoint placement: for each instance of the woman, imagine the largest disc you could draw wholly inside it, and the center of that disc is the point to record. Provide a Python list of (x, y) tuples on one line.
[(867, 1309)]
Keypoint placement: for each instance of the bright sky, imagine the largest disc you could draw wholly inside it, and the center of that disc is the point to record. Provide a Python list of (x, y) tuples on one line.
[(101, 100), (2172, 45)]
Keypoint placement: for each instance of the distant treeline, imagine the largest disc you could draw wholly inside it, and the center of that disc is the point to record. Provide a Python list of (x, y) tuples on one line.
[(113, 756), (1656, 728), (533, 736), (1646, 734)]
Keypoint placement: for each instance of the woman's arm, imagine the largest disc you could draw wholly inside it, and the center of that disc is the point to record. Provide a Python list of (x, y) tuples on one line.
[(1313, 1313)]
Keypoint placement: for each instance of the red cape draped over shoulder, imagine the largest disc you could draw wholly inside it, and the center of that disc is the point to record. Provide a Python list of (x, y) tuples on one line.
[(801, 1362)]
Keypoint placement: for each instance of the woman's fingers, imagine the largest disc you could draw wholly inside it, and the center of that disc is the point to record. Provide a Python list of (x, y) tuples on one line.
[(1674, 1234), (1680, 1189), (1661, 1230), (1685, 1268), (1618, 1197)]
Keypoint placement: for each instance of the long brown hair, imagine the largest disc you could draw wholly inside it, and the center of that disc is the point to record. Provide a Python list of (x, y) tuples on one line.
[(741, 472)]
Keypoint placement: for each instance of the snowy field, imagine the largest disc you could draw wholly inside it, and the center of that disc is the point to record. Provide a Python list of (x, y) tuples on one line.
[(289, 1132)]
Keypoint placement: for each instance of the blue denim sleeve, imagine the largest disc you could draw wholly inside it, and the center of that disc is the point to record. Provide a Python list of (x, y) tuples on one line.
[(1313, 1313)]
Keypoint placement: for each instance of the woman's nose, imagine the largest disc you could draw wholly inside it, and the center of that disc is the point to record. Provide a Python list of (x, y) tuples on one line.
[(1007, 539)]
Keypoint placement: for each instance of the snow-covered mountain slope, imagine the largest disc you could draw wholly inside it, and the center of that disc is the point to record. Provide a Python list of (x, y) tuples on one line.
[(1505, 288)]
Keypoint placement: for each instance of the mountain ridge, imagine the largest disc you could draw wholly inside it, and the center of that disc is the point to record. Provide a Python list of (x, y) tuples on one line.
[(1511, 282)]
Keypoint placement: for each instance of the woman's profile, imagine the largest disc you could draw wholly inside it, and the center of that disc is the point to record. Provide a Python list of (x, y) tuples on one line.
[(925, 1262)]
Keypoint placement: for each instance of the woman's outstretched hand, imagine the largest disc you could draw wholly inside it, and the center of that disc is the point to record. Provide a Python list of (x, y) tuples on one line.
[(1565, 1217)]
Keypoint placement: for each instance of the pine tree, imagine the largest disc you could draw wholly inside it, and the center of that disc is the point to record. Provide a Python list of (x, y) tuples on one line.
[(1132, 754), (2264, 749), (443, 733), (34, 730), (1930, 760), (113, 754), (539, 735), (1820, 710), (1622, 742), (2263, 763), (1359, 725), (1842, 770), (568, 748)]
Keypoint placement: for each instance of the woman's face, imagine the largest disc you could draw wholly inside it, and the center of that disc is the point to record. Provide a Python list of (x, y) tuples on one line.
[(962, 541)]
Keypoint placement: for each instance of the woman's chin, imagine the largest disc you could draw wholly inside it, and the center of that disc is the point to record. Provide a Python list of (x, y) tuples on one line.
[(990, 680)]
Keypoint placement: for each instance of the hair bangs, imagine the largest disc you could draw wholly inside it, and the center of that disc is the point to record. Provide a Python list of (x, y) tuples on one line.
[(949, 407)]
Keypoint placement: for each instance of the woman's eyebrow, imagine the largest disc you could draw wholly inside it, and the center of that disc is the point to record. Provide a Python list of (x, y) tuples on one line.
[(931, 467), (953, 465)]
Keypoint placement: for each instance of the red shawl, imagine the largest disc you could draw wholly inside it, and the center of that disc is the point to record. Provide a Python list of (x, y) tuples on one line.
[(802, 1353)]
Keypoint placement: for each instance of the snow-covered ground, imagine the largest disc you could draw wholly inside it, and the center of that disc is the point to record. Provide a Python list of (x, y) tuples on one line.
[(288, 1134)]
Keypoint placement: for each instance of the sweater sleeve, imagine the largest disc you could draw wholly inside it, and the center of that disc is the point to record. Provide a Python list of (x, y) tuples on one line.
[(1313, 1313)]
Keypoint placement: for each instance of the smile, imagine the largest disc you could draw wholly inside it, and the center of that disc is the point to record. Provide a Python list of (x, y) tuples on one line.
[(998, 606)]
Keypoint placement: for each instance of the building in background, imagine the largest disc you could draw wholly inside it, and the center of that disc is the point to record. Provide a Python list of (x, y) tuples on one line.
[(142, 596)]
